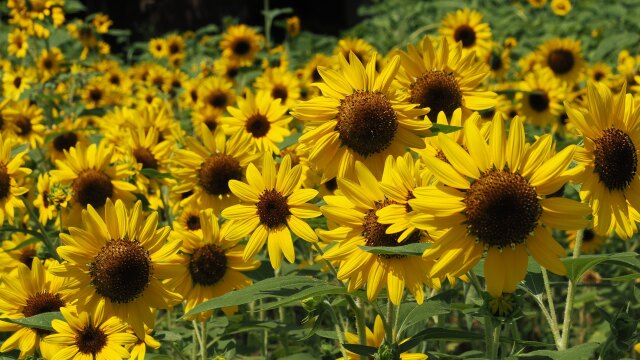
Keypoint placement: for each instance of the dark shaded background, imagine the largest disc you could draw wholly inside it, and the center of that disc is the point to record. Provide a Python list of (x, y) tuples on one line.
[(148, 18)]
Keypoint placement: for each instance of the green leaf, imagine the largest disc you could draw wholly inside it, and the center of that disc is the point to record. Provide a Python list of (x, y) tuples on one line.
[(289, 140), (415, 249), (628, 277), (19, 149), (40, 321), (579, 352), (361, 349), (441, 128), (437, 333), (423, 312), (73, 6), (120, 32), (155, 174), (271, 287), (576, 267), (168, 336), (320, 290)]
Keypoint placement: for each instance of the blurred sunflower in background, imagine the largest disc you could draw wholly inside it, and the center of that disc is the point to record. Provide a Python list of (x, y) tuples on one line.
[(241, 44), (12, 176), (563, 56), (466, 26)]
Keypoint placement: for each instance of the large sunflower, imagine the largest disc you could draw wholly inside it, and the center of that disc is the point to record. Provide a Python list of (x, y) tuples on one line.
[(493, 198), (564, 57), (609, 124), (466, 26), (540, 98), (260, 118), (241, 44), (119, 261), (11, 177), (203, 170), (444, 79), (358, 225), (273, 206), (359, 118), (210, 265)]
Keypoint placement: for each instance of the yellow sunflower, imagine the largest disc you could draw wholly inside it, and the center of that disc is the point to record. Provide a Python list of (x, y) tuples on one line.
[(444, 79), (90, 335), (493, 198), (564, 57), (260, 118), (226, 68), (25, 121), (466, 26), (18, 43), (241, 44), (120, 261), (280, 84), (359, 47), (138, 350), (28, 292), (158, 48), (188, 221), (203, 170), (15, 82), (216, 92), (273, 205), (92, 178), (609, 125), (65, 135), (21, 248), (210, 265), (46, 209), (358, 118), (209, 116), (591, 242), (540, 98), (49, 63), (355, 213), (600, 72), (499, 62), (12, 175)]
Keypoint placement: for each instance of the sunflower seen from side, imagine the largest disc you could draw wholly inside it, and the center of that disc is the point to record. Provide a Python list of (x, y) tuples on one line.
[(210, 265), (359, 117), (12, 176), (493, 198), (120, 261), (355, 213), (273, 205), (609, 125)]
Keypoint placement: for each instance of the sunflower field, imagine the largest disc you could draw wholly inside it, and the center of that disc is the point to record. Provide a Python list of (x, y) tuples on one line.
[(446, 180)]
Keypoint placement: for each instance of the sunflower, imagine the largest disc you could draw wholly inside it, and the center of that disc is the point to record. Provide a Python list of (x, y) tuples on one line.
[(46, 209), (210, 265), (444, 79), (226, 68), (188, 221), (561, 7), (158, 48), (600, 72), (65, 135), (609, 125), (241, 44), (25, 293), (359, 117), (540, 98), (355, 213), (90, 335), (49, 62), (203, 170), (564, 57), (175, 45), (375, 339), (19, 249), (139, 349), (359, 47), (210, 116), (260, 118), (18, 43), (591, 242), (15, 82), (466, 26), (273, 205), (25, 120), (97, 93), (216, 92), (92, 178), (499, 62), (503, 209), (120, 261), (280, 84), (11, 178)]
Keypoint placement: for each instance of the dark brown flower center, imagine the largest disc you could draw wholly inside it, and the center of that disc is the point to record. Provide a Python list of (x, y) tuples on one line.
[(466, 34), (216, 172), (193, 222), (27, 256), (5, 181), (92, 187), (218, 100), (280, 92), (315, 76), (208, 265), (174, 48), (438, 91), (615, 159), (561, 61), (375, 233), (598, 75), (273, 209), (331, 185), (232, 72), (502, 208), (588, 235), (496, 62), (241, 47), (539, 101), (47, 64), (145, 157), (24, 126), (211, 124), (258, 125), (121, 271), (91, 340), (95, 95), (42, 302), (17, 81), (65, 141), (366, 122)]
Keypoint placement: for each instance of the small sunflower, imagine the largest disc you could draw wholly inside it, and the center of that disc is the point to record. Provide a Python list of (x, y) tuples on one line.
[(564, 57), (359, 47), (65, 135), (260, 118), (561, 7), (211, 117), (442, 79), (94, 335), (19, 249), (158, 48), (466, 26), (188, 221), (50, 62), (499, 61), (280, 84), (241, 44), (359, 118), (46, 209), (12, 175), (15, 82), (591, 242), (120, 261), (216, 92), (18, 43), (503, 209), (600, 72), (25, 120), (540, 98), (226, 68), (175, 45), (273, 207), (355, 213), (609, 125), (210, 265)]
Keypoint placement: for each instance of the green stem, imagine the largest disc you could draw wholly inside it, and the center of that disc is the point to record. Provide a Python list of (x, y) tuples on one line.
[(338, 330), (267, 24), (554, 329), (495, 346), (488, 337), (45, 236), (203, 338), (571, 291), (553, 323), (388, 324)]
